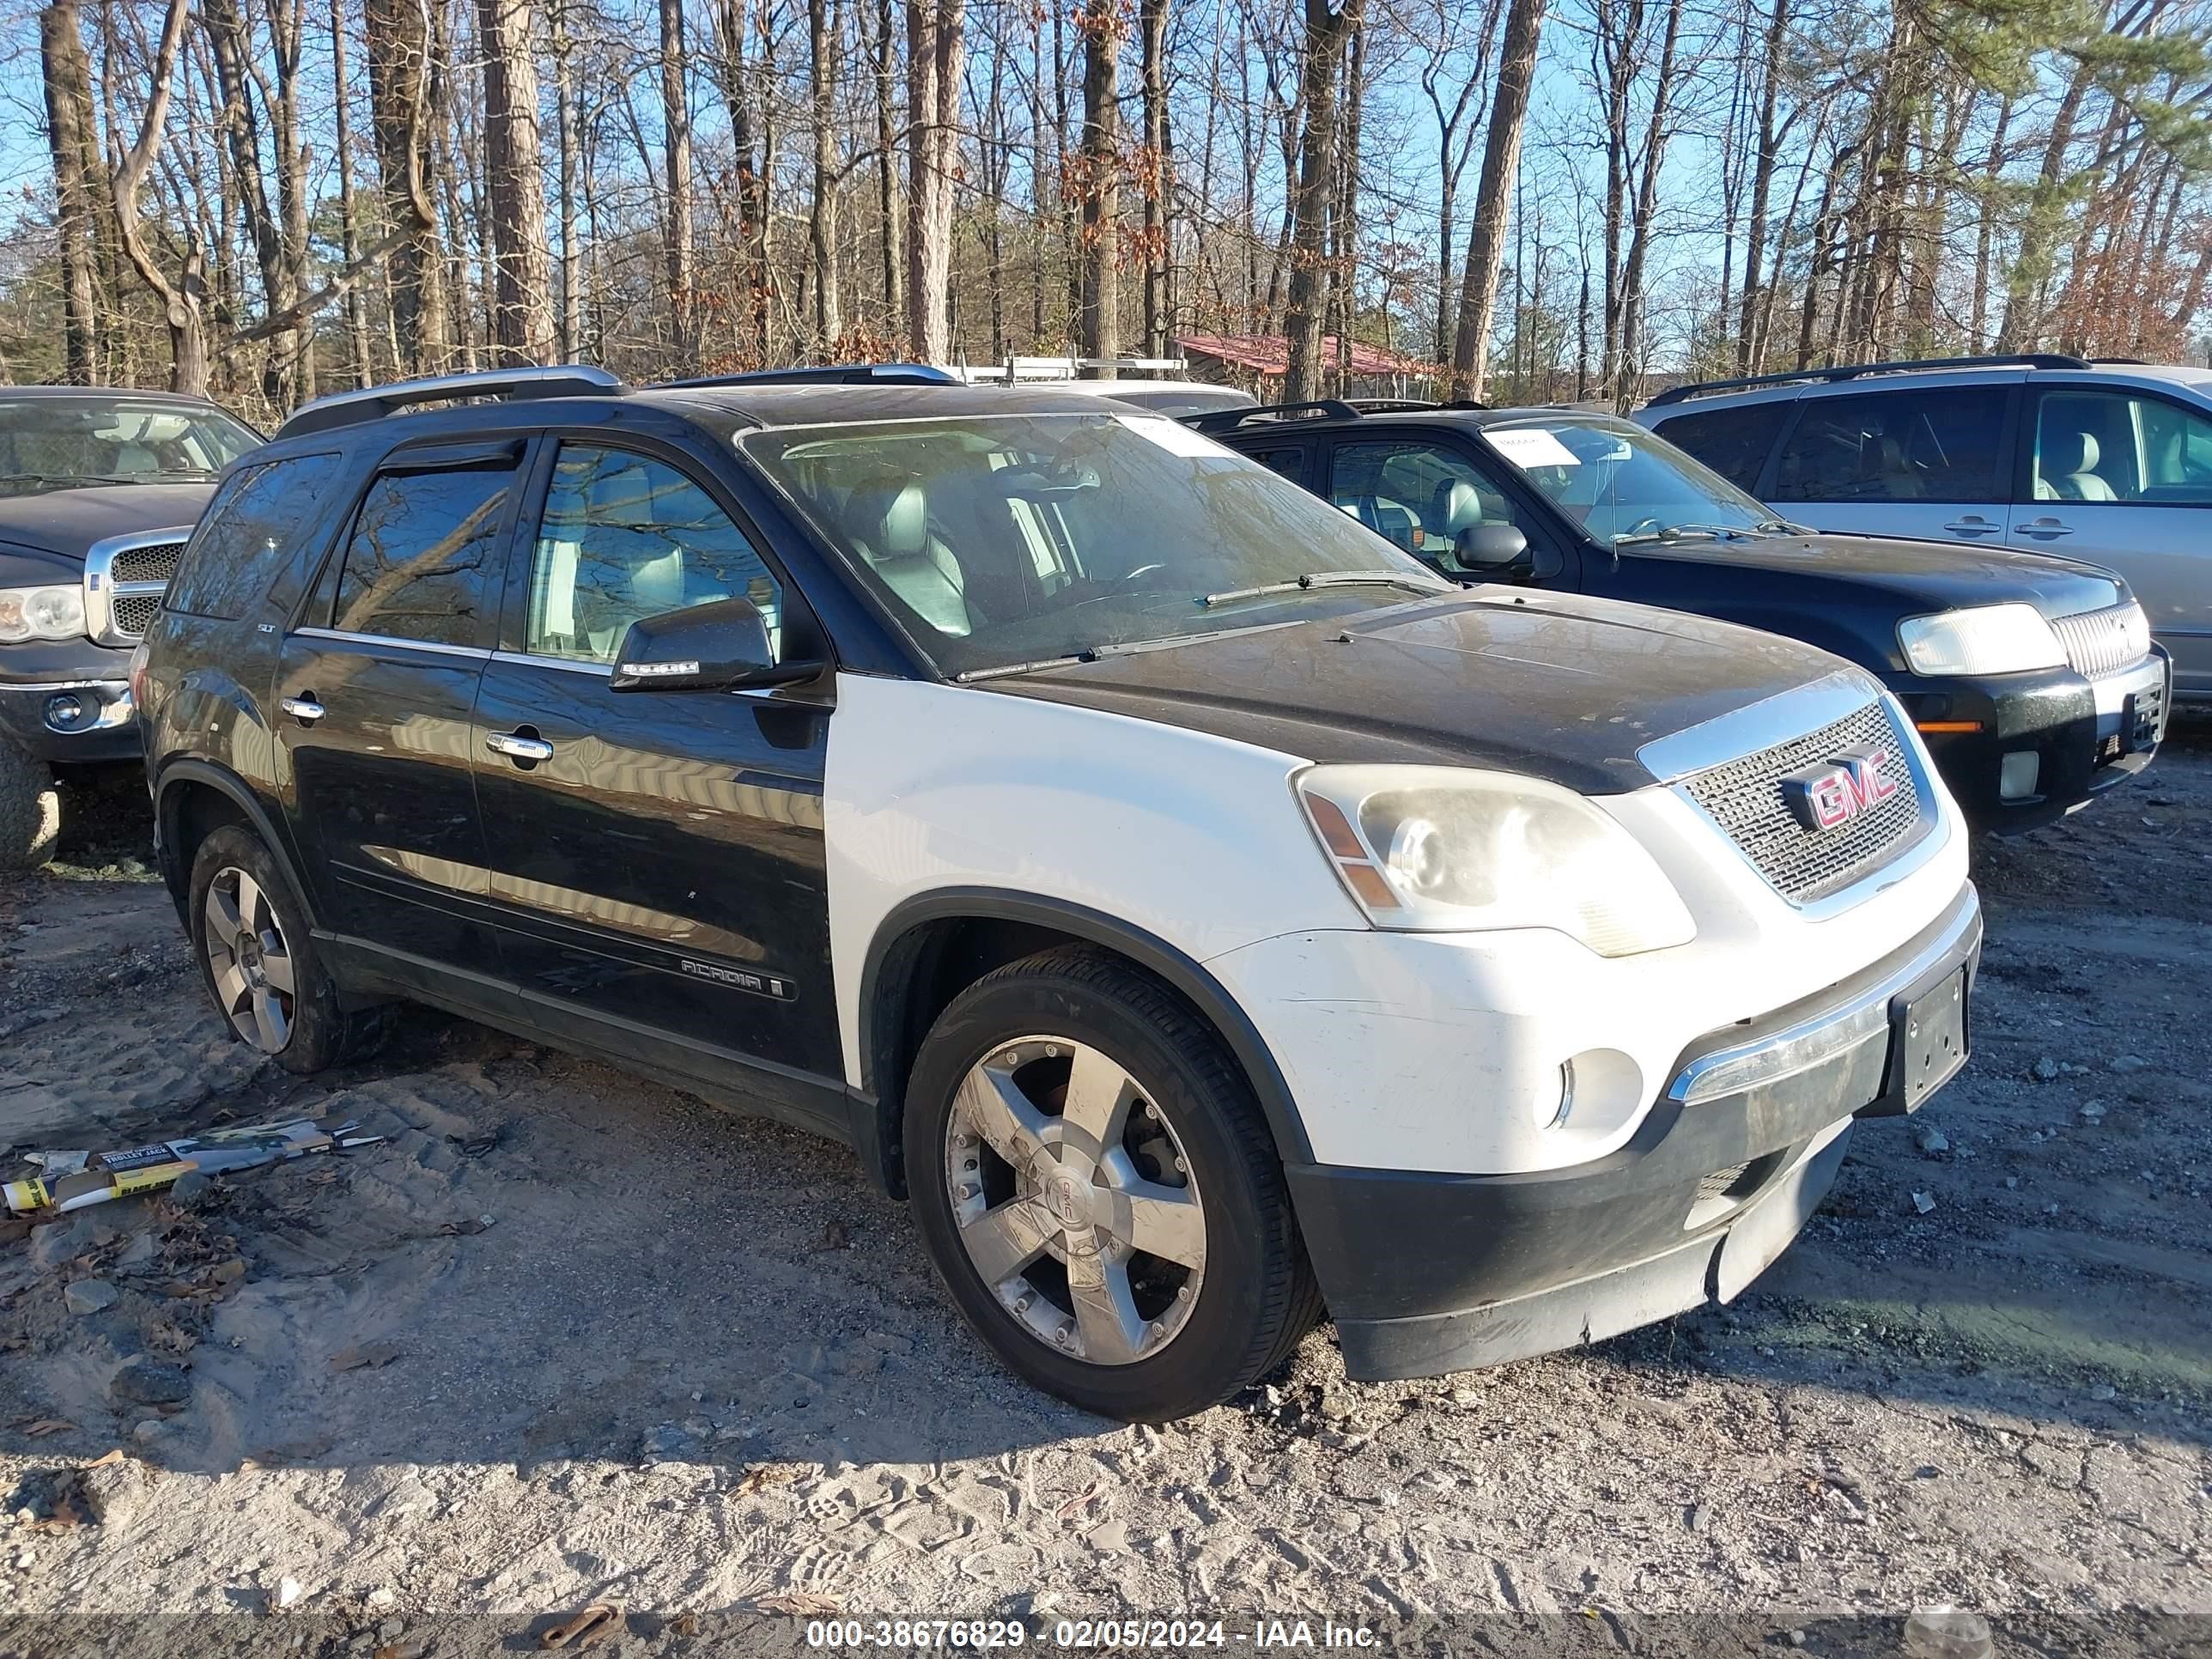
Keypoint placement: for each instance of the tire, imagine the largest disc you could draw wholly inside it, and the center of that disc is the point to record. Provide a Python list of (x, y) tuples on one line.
[(1171, 1150), (30, 811), (245, 922)]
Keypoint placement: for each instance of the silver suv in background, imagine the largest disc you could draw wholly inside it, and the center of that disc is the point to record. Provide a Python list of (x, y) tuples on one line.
[(2108, 462)]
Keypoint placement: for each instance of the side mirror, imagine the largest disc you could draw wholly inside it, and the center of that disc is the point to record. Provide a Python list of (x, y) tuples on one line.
[(1487, 546), (704, 647)]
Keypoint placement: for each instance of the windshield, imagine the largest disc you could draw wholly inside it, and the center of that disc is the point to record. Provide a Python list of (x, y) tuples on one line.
[(1003, 539), (1623, 485), (64, 442)]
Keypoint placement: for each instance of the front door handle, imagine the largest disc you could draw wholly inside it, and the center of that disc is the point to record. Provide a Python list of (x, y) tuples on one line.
[(306, 710), (2044, 529), (1973, 525), (522, 745)]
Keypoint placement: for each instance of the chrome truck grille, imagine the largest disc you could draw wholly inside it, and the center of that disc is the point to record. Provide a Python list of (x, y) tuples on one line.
[(125, 578), (1745, 798), (2100, 641)]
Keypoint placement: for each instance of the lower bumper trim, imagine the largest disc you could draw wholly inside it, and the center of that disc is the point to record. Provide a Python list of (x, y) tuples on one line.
[(1711, 1267)]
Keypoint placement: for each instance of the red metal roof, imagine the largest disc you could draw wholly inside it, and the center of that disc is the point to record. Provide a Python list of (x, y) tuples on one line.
[(1270, 354)]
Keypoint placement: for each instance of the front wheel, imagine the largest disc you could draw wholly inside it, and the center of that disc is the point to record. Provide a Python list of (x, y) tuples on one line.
[(1097, 1187), (30, 811)]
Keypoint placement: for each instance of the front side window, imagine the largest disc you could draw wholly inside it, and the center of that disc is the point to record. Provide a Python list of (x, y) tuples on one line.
[(2112, 447), (1002, 539), (1733, 442), (1939, 444), (251, 527), (1624, 485), (1425, 498), (68, 442), (622, 537), (420, 563)]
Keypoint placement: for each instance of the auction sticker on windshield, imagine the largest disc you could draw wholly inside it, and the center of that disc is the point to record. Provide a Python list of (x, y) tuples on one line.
[(1174, 437), (1531, 445)]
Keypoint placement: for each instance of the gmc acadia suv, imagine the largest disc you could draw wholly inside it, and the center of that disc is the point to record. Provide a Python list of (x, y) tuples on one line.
[(1203, 914), (98, 491)]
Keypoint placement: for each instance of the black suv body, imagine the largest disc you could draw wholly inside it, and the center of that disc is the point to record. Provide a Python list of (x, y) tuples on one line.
[(2018, 745), (99, 489)]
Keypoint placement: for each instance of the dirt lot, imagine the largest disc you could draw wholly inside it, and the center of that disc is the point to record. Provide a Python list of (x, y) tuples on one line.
[(621, 1347)]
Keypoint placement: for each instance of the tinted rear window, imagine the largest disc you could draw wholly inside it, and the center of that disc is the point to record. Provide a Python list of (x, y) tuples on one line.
[(1941, 444), (248, 535), (423, 555), (1733, 442)]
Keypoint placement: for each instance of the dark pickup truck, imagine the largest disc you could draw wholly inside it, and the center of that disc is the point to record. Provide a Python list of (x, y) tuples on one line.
[(99, 491), (2032, 679)]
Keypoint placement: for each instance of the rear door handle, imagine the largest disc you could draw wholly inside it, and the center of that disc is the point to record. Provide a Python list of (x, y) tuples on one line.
[(306, 710), (1973, 525), (2044, 529), (522, 746)]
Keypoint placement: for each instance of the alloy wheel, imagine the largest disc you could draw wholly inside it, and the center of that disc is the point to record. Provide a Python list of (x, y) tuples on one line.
[(249, 959), (1074, 1200)]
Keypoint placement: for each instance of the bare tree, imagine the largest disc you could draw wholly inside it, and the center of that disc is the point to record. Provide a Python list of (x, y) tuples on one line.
[(1098, 316), (935, 51), (520, 284), (1326, 33), (676, 111), (66, 72), (182, 298), (1501, 162)]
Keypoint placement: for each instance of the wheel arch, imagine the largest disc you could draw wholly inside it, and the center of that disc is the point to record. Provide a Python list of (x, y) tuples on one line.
[(931, 946), (193, 799)]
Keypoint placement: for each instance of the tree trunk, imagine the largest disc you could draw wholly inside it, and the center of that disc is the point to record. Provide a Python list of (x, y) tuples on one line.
[(935, 57), (1647, 203), (887, 201), (564, 119), (521, 283), (676, 108), (822, 216), (1501, 164), (1762, 182), (751, 193), (399, 90), (1153, 27), (364, 368), (1312, 205), (1098, 318), (182, 300), (66, 70)]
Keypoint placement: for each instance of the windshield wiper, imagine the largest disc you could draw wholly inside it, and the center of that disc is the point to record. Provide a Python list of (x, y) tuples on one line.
[(1335, 578), (1113, 648), (1675, 533)]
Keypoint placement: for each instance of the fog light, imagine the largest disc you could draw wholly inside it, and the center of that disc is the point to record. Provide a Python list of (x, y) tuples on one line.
[(2017, 774), (65, 711)]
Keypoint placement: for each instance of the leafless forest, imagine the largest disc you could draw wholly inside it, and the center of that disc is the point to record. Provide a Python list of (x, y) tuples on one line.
[(269, 198)]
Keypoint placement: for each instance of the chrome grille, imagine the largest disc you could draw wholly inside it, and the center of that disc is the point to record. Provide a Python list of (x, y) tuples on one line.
[(1744, 797), (2098, 642), (134, 612), (156, 563)]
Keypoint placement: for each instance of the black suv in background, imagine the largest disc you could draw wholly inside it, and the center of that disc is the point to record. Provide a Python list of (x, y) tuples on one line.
[(2032, 679), (98, 491)]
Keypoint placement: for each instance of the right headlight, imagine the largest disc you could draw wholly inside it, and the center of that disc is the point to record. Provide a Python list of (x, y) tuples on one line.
[(41, 613), (1987, 639), (1443, 849)]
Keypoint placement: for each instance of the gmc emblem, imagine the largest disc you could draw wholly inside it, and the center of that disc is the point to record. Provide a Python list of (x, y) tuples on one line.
[(1838, 790)]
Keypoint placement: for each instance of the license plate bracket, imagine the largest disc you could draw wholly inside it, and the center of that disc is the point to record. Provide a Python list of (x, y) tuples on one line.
[(1929, 1039)]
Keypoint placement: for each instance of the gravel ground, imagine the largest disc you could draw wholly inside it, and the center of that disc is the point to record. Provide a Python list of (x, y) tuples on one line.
[(567, 1338)]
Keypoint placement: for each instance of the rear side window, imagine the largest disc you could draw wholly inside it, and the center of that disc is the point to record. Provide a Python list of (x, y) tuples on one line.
[(1733, 442), (422, 558), (1941, 444), (248, 535)]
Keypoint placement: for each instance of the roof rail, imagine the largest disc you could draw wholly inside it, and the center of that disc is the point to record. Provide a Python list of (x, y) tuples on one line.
[(350, 408), (1228, 420), (825, 374), (1676, 394), (1391, 405)]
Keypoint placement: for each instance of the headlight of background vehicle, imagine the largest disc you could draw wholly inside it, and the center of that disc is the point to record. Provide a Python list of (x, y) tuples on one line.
[(1990, 639), (1437, 849), (41, 613)]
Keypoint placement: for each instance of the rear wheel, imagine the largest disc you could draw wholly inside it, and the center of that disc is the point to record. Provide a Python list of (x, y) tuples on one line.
[(30, 811), (258, 961), (1098, 1187)]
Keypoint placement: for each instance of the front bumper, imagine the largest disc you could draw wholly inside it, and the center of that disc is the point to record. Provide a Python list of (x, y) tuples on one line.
[(2086, 735), (1428, 1273), (70, 721)]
